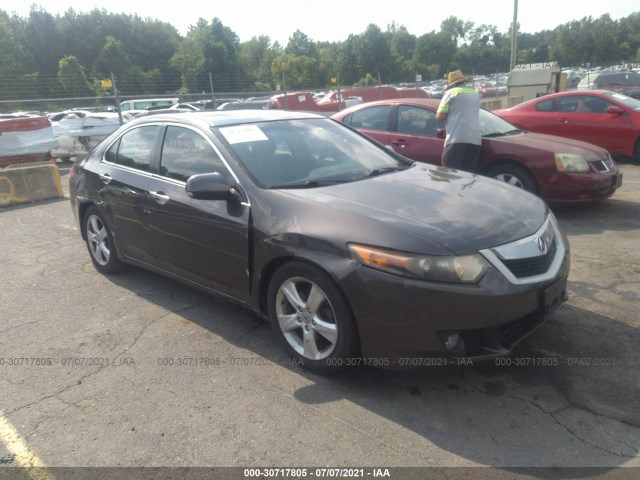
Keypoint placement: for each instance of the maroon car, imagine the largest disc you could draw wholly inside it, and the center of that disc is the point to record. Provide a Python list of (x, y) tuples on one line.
[(605, 118), (559, 170)]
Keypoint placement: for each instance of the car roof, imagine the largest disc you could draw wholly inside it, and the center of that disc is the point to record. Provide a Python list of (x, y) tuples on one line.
[(551, 96), (221, 118), (569, 93), (425, 102)]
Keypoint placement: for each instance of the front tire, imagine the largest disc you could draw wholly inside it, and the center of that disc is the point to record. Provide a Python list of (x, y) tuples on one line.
[(515, 176), (100, 243), (312, 318)]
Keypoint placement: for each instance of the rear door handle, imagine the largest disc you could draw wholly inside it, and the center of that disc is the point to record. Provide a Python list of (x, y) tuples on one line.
[(159, 197)]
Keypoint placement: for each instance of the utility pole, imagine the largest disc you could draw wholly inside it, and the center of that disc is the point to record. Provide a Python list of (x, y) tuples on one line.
[(116, 97), (514, 34)]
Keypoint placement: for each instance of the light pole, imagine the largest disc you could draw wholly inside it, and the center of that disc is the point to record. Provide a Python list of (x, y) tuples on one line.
[(514, 33)]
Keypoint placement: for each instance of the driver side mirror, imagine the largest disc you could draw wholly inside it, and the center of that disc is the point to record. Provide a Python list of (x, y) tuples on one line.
[(615, 110), (209, 186), (441, 133)]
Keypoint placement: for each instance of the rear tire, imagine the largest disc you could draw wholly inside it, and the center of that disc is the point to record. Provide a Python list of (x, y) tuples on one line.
[(100, 243), (312, 318), (514, 175)]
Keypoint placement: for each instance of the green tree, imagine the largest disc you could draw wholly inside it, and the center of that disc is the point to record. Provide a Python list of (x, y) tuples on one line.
[(32, 48), (10, 48), (329, 66), (374, 54), (481, 54), (629, 38), (347, 69), (300, 45), (189, 60), (256, 58), (215, 48), (434, 53), (298, 64), (456, 29), (41, 42), (114, 59), (403, 44), (15, 82), (297, 72), (71, 76)]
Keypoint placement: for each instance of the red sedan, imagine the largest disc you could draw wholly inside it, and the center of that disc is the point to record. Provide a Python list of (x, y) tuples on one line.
[(559, 170), (602, 117)]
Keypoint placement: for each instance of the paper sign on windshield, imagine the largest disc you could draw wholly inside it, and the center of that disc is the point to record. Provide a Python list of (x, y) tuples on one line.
[(243, 133)]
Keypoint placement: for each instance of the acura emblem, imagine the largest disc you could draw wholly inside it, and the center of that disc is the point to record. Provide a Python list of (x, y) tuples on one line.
[(542, 246)]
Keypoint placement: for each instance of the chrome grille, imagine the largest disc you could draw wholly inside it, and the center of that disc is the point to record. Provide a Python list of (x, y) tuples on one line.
[(531, 266), (600, 166), (535, 258), (605, 165)]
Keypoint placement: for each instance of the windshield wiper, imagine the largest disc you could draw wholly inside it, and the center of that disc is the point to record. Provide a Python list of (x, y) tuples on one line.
[(494, 134), (381, 171), (309, 184)]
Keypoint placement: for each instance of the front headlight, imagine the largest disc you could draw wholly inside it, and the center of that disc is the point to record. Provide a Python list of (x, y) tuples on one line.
[(571, 163), (452, 269)]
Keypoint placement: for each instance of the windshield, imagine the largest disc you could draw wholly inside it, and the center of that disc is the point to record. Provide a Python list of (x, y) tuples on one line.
[(492, 125), (307, 153), (627, 101)]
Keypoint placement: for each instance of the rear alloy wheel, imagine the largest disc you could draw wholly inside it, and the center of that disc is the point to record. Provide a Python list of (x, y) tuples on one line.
[(514, 175), (100, 243), (311, 317)]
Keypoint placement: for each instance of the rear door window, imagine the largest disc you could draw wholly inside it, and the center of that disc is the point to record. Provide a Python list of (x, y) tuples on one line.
[(134, 149), (372, 118)]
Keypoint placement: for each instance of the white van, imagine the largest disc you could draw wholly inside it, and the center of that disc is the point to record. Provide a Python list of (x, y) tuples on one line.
[(145, 103)]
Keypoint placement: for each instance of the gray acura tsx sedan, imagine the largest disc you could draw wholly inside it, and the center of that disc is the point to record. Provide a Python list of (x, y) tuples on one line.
[(354, 253)]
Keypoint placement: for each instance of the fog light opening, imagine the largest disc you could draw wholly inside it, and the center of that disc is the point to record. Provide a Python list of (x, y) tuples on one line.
[(454, 343)]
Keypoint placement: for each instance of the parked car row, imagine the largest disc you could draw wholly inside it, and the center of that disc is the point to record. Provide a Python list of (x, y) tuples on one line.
[(626, 82), (487, 86)]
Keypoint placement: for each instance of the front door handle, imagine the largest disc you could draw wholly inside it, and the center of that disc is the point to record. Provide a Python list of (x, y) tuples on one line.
[(105, 177), (159, 197)]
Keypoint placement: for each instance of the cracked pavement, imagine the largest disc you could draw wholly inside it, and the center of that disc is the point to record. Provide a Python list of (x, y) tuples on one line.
[(138, 370)]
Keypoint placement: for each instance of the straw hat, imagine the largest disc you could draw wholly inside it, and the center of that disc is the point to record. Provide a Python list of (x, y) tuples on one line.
[(454, 78)]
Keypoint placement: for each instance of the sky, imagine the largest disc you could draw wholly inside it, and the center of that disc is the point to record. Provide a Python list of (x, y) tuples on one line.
[(334, 21)]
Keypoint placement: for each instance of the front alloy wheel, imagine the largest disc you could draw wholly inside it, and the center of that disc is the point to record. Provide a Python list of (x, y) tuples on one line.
[(311, 317)]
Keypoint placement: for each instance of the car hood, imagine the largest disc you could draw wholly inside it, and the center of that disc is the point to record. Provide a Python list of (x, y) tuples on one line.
[(425, 209), (551, 143)]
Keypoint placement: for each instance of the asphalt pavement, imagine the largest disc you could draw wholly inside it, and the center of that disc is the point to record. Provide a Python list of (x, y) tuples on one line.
[(135, 370)]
